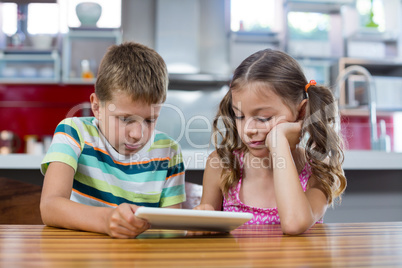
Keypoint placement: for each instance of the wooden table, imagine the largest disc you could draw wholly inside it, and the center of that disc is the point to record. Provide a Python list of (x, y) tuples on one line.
[(324, 245)]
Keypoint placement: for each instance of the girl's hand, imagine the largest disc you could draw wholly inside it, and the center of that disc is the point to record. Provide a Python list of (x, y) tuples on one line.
[(204, 207), (291, 131), (122, 223)]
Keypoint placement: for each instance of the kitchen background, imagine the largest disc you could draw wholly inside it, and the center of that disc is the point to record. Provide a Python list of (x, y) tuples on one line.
[(49, 58)]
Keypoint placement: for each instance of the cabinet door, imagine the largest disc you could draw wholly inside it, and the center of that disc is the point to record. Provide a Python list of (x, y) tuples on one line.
[(86, 47)]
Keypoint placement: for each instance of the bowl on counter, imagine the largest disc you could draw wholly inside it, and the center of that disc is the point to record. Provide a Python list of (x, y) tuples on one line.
[(9, 72), (46, 72), (28, 72), (41, 41)]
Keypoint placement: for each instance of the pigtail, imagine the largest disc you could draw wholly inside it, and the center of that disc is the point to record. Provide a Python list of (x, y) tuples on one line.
[(324, 142), (227, 142)]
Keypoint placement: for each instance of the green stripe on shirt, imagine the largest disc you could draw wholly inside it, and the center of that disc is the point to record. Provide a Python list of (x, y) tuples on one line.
[(58, 157), (164, 143), (90, 161), (117, 191)]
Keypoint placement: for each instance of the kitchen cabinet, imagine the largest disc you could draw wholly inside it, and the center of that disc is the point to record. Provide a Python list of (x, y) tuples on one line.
[(353, 100), (33, 66), (83, 46), (387, 76), (29, 66)]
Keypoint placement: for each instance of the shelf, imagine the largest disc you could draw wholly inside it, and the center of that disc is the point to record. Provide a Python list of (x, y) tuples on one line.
[(85, 44), (87, 33), (344, 61), (79, 81), (196, 160), (29, 65), (197, 81), (321, 6), (365, 112), (29, 81)]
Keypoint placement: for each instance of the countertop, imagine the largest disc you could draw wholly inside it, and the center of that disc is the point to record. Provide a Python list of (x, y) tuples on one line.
[(196, 159), (324, 245)]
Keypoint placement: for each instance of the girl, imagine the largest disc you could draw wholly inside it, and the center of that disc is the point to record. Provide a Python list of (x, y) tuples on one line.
[(259, 165)]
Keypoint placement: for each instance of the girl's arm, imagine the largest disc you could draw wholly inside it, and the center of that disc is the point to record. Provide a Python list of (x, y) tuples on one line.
[(211, 191), (58, 210), (298, 210)]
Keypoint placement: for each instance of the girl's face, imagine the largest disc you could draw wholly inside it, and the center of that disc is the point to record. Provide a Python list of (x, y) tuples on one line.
[(257, 110), (126, 124)]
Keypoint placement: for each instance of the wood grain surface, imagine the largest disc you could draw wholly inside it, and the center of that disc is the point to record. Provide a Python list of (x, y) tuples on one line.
[(324, 245), (19, 202)]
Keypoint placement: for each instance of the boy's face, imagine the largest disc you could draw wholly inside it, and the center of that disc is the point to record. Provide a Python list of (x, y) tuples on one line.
[(126, 124)]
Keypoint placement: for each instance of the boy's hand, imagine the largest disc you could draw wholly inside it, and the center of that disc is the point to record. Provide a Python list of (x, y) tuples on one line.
[(122, 223), (289, 130), (204, 207)]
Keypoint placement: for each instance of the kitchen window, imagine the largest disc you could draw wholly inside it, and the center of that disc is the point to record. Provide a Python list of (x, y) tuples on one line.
[(254, 25), (371, 14), (9, 18), (308, 25), (252, 15)]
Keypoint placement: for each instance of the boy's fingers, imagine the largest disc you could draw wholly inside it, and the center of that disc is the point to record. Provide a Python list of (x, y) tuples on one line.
[(129, 221), (122, 232), (137, 222)]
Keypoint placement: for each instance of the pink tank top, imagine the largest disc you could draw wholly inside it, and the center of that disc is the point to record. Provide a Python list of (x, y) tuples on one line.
[(261, 215)]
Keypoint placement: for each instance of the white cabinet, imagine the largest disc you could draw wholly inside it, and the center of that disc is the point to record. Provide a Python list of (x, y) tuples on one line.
[(387, 78), (29, 66), (82, 46)]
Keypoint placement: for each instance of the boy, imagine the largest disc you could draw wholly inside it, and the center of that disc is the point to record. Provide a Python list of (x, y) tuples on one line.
[(98, 170)]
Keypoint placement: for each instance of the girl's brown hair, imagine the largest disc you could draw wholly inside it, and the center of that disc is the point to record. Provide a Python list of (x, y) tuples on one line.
[(282, 74), (134, 69)]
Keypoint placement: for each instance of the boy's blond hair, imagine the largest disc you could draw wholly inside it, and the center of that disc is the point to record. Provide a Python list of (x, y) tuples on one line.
[(134, 69)]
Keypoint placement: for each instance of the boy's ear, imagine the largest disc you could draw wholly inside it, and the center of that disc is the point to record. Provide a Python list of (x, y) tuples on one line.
[(301, 109), (95, 105)]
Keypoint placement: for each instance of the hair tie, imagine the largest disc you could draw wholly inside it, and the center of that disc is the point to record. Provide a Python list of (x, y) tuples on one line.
[(311, 83)]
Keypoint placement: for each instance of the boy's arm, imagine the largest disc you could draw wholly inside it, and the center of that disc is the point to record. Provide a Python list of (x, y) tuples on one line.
[(58, 210), (211, 191)]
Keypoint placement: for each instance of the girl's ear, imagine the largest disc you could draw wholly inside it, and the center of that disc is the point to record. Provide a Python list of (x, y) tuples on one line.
[(95, 105), (301, 109)]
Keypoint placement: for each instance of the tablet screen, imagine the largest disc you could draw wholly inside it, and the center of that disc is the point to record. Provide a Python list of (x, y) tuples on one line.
[(195, 220)]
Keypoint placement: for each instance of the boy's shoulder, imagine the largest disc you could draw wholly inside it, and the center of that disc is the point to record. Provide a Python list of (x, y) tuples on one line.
[(80, 122), (79, 125), (162, 140)]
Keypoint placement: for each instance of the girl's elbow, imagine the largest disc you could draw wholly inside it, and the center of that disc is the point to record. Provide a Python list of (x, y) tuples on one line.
[(293, 230), (294, 227)]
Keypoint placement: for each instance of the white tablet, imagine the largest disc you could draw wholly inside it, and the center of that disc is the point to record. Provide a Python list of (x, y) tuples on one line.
[(194, 220)]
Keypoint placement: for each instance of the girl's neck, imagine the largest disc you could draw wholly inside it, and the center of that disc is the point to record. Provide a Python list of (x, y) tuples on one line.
[(265, 164), (252, 162)]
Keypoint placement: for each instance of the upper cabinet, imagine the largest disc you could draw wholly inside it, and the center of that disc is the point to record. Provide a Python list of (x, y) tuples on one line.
[(29, 66), (207, 36), (65, 46), (83, 50)]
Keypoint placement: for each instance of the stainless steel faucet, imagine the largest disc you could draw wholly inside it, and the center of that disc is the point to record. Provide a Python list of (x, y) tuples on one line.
[(343, 75)]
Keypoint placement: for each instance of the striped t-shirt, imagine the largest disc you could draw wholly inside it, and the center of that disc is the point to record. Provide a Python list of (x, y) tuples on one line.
[(152, 177)]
